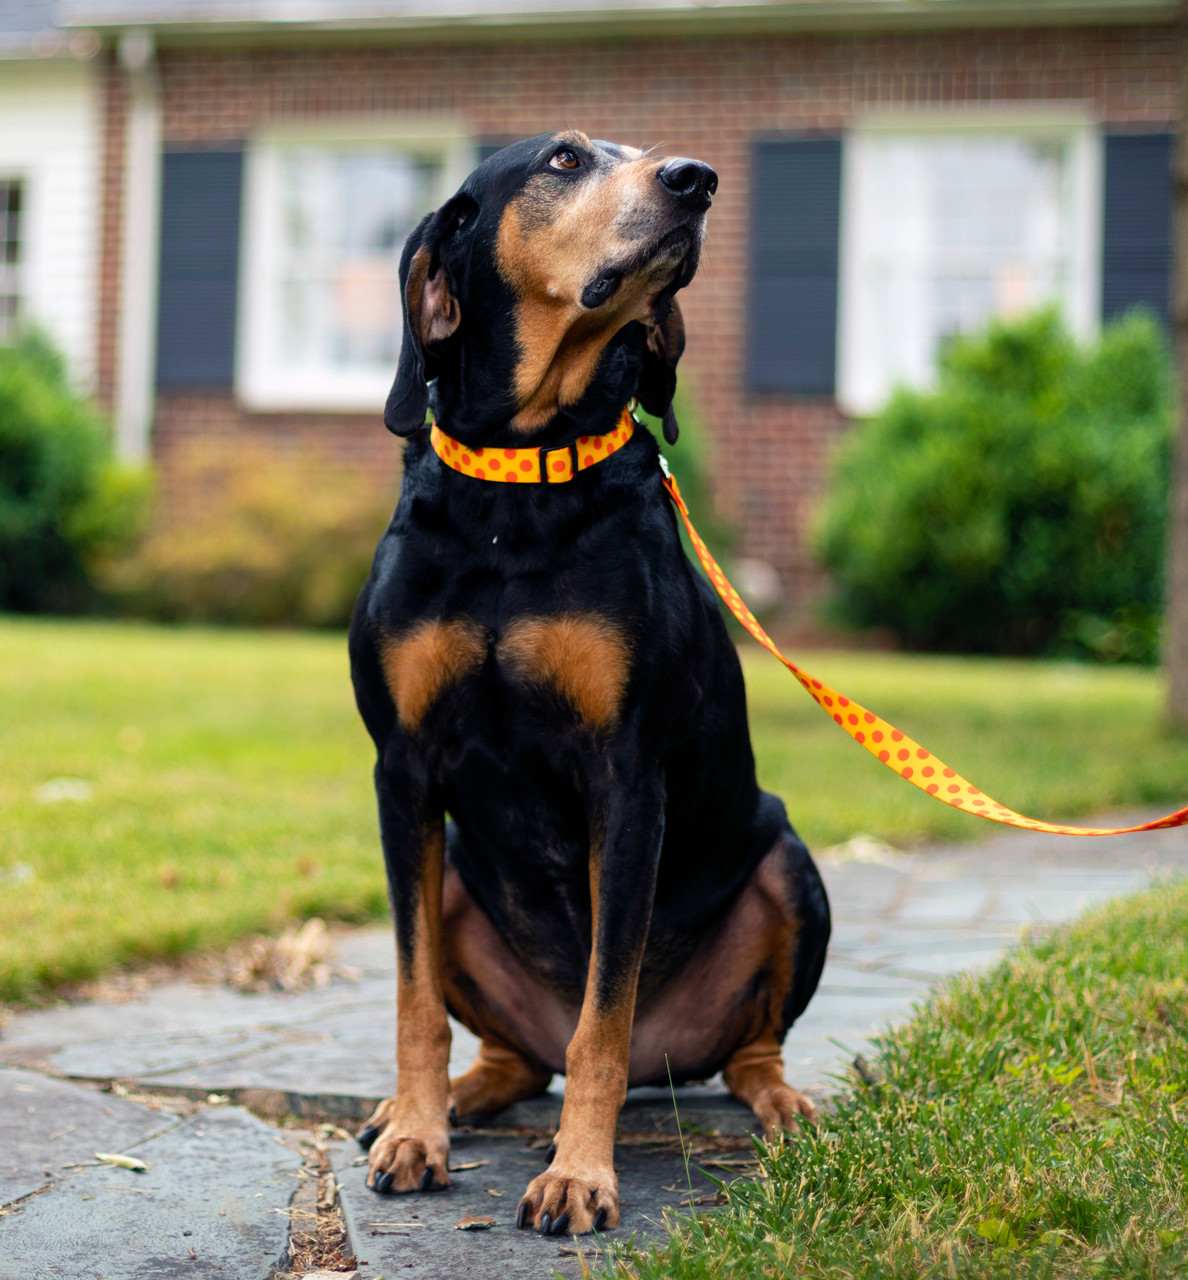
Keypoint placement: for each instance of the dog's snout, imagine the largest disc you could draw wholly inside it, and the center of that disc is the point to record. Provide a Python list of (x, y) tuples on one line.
[(690, 181)]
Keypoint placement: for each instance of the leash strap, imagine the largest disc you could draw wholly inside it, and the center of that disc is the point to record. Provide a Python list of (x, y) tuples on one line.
[(895, 749)]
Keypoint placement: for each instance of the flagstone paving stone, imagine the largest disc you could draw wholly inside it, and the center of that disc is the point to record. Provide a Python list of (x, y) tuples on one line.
[(416, 1236), (47, 1124), (213, 1202)]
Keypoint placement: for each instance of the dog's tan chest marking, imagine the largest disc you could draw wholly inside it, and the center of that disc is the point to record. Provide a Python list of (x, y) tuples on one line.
[(582, 656), (420, 664)]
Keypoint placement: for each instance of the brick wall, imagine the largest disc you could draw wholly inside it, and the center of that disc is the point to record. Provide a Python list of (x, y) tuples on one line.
[(704, 98)]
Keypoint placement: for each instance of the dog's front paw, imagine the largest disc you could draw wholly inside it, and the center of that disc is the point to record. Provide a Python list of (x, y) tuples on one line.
[(562, 1203), (781, 1107), (405, 1155)]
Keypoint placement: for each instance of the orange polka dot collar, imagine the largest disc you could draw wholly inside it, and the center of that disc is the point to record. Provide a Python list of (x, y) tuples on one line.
[(532, 466)]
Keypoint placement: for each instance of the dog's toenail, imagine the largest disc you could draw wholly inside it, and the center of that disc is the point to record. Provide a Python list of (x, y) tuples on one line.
[(384, 1182), (426, 1179), (521, 1215), (368, 1136), (561, 1225), (600, 1220), (545, 1224)]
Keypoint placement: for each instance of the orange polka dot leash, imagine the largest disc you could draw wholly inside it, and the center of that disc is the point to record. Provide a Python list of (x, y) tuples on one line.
[(894, 748)]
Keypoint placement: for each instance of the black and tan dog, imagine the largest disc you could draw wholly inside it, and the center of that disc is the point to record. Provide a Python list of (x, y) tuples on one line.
[(613, 898)]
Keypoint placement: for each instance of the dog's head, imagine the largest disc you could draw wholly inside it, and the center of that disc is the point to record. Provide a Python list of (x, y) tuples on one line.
[(558, 257)]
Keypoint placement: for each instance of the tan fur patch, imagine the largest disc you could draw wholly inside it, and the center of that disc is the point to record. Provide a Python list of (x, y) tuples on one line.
[(424, 661), (497, 1078), (583, 656), (553, 239)]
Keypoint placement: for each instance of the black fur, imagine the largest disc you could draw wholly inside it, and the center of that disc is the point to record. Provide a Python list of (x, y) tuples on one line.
[(673, 787)]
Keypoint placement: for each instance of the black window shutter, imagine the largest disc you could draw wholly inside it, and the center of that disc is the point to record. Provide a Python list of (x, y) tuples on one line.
[(1137, 229), (200, 199), (792, 304)]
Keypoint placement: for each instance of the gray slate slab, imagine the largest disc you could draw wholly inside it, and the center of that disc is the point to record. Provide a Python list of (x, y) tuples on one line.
[(46, 1124), (432, 1249), (217, 1184)]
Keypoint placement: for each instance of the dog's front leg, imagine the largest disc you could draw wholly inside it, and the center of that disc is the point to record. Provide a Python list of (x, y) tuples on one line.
[(579, 1190), (409, 1133)]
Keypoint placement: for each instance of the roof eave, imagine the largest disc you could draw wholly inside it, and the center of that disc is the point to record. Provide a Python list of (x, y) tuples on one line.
[(692, 19)]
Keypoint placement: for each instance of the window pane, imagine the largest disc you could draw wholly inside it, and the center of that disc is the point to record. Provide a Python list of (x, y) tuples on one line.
[(344, 218), (951, 230)]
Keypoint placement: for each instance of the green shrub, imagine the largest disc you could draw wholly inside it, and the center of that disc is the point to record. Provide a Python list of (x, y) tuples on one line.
[(64, 501), (255, 538), (1021, 506)]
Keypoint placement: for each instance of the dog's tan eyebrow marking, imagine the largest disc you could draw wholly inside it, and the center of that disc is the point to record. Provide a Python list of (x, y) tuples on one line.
[(421, 663), (583, 656)]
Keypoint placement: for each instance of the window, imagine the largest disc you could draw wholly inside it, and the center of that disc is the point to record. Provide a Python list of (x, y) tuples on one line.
[(945, 228), (10, 258), (327, 218)]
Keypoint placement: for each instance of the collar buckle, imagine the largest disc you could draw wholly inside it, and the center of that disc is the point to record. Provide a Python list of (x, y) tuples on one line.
[(543, 454)]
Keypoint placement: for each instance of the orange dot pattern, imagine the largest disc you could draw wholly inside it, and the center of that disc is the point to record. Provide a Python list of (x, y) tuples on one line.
[(894, 748), (525, 465)]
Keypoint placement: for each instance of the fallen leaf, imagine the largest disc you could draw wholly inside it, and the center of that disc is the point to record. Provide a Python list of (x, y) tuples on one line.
[(473, 1164), (493, 1193), (125, 1162), (474, 1222)]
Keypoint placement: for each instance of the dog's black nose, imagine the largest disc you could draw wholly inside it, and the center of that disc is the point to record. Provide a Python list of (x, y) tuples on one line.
[(691, 181)]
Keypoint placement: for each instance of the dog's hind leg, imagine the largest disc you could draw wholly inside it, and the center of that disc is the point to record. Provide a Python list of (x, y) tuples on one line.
[(796, 937), (499, 1077), (755, 1075)]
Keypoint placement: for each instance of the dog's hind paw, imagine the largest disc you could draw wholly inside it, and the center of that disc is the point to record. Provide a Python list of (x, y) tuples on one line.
[(780, 1108)]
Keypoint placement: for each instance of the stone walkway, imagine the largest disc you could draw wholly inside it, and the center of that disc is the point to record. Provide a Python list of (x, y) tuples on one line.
[(215, 1197)]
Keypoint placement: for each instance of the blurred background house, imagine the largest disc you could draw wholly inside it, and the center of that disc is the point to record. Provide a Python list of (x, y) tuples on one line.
[(51, 161), (204, 202)]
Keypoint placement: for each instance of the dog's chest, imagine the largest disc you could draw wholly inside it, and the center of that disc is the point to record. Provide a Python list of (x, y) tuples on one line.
[(581, 660)]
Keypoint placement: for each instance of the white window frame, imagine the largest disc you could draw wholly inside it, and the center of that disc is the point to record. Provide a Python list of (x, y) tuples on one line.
[(1069, 123), (260, 383)]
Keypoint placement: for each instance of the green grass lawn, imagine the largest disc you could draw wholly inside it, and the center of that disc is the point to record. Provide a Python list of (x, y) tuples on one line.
[(230, 783), (1029, 1122)]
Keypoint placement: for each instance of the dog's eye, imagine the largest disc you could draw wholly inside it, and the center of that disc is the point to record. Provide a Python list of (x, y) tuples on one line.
[(564, 159)]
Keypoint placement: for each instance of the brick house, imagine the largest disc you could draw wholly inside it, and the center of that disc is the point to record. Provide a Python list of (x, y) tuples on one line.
[(891, 173)]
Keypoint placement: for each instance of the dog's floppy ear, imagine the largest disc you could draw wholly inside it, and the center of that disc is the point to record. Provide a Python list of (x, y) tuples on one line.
[(431, 314), (665, 341)]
